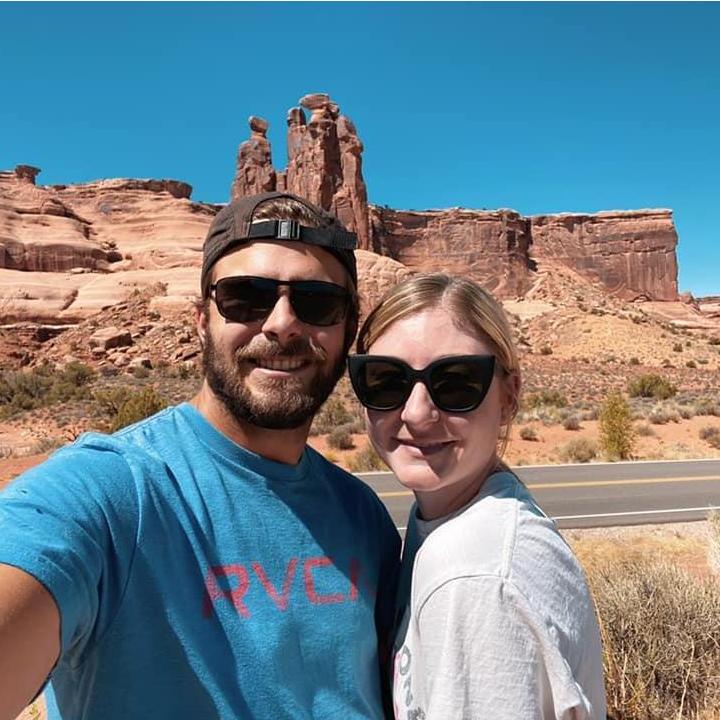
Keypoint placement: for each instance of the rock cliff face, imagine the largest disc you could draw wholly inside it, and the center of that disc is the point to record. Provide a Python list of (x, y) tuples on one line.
[(324, 163), (490, 247), (632, 254)]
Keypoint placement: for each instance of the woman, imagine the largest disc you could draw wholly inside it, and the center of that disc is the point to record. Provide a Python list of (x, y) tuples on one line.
[(495, 620)]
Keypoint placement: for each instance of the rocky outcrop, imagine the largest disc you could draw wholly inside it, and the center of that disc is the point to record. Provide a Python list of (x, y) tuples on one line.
[(40, 232), (100, 226), (324, 163), (490, 247), (632, 253), (376, 275)]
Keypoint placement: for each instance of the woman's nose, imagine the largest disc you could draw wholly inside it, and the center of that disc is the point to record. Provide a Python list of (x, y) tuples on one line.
[(419, 407)]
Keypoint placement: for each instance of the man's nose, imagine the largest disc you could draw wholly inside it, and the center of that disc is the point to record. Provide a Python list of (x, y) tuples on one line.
[(282, 324)]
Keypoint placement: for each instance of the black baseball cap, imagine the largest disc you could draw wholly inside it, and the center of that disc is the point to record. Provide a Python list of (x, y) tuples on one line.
[(234, 225)]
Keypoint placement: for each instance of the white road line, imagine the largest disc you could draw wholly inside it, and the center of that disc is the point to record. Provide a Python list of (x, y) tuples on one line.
[(635, 512)]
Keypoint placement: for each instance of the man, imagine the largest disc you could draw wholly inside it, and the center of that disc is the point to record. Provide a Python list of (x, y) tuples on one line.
[(205, 563)]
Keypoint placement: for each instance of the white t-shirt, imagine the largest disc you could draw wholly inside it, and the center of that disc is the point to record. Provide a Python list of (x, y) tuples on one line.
[(495, 619)]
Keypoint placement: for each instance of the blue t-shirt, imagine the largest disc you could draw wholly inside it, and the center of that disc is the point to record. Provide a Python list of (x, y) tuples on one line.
[(198, 580)]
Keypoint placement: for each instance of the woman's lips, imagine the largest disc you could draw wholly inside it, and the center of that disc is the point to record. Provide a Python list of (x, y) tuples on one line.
[(425, 448)]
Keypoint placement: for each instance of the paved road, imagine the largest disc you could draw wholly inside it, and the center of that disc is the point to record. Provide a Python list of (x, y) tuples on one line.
[(600, 494)]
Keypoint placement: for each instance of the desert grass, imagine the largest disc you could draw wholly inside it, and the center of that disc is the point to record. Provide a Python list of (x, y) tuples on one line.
[(658, 605)]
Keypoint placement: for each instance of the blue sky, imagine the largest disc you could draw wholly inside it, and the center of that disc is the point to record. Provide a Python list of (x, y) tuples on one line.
[(540, 107)]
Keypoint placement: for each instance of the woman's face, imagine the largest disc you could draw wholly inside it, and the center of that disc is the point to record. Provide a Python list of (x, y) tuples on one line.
[(442, 457)]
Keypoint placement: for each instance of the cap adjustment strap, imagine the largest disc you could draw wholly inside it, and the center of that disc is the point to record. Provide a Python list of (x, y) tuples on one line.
[(292, 230)]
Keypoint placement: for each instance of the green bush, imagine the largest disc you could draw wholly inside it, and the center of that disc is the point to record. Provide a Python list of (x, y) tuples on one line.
[(651, 386), (366, 460), (579, 450), (137, 406), (571, 422), (661, 644), (617, 435), (43, 386)]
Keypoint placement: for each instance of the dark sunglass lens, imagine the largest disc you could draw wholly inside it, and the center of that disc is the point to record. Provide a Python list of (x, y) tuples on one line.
[(245, 299), (319, 303), (458, 386), (384, 386)]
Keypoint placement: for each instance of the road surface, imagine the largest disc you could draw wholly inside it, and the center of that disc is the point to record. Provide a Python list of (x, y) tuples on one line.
[(600, 494)]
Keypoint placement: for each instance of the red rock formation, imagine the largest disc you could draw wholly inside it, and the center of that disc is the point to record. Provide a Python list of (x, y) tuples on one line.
[(490, 247), (324, 163), (40, 232), (631, 253), (255, 173)]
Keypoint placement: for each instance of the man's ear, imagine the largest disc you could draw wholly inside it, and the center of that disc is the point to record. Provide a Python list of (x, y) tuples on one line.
[(201, 322)]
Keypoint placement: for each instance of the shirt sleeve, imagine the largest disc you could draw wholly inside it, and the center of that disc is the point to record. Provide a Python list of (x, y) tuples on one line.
[(72, 523), (483, 656)]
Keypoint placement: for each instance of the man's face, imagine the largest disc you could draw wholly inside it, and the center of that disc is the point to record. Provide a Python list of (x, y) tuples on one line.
[(275, 372)]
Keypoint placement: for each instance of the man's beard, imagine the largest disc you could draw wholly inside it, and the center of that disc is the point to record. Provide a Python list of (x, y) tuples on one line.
[(277, 404)]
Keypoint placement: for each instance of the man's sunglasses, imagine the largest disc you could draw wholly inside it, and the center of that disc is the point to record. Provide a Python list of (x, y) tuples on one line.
[(245, 298), (456, 384)]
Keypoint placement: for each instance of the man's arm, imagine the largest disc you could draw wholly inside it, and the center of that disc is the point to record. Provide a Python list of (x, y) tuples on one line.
[(29, 639)]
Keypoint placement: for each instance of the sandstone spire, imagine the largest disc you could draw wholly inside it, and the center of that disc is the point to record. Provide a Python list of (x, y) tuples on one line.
[(324, 163), (255, 173)]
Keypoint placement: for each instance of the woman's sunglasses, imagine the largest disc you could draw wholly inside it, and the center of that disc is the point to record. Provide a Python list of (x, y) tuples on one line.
[(245, 298), (456, 384)]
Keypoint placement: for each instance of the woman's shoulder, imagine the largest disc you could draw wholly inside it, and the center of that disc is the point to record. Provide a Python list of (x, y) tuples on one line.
[(502, 533)]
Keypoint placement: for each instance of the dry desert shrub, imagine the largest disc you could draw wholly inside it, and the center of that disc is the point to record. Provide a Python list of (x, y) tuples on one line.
[(711, 435), (333, 414), (644, 430), (579, 450), (661, 640), (366, 460), (713, 526), (651, 386), (528, 433), (571, 422), (340, 438)]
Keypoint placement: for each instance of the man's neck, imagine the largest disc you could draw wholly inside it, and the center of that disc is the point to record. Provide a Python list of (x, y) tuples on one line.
[(285, 446)]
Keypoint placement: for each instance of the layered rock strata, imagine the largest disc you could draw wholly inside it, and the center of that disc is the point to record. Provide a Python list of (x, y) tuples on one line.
[(630, 254), (490, 247)]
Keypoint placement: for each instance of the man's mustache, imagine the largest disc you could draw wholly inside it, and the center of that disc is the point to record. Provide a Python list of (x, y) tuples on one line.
[(297, 348)]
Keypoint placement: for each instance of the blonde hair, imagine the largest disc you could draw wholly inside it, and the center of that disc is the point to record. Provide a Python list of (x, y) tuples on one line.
[(472, 309)]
